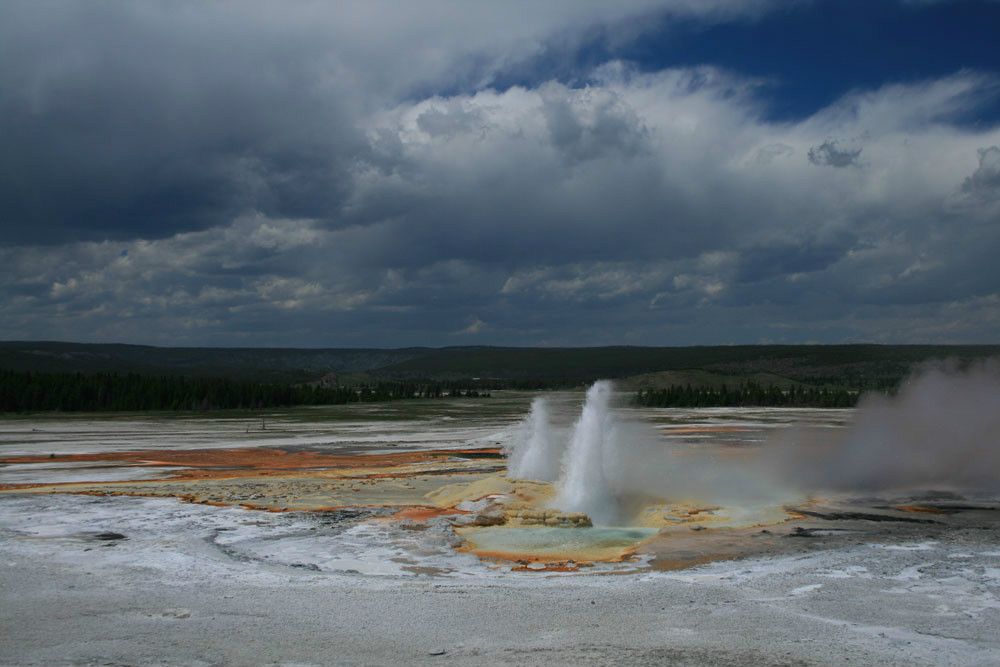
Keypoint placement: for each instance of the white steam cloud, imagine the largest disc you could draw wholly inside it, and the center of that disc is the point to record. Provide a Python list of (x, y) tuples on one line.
[(942, 431), (536, 452), (609, 467)]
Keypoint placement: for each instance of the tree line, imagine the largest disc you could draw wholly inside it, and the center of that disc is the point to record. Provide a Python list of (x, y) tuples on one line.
[(748, 394), (77, 392)]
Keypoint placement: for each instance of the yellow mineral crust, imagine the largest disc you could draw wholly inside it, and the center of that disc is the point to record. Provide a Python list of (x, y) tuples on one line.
[(517, 492)]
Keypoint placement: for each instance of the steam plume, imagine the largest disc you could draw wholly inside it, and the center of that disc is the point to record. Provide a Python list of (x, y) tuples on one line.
[(536, 452), (942, 431)]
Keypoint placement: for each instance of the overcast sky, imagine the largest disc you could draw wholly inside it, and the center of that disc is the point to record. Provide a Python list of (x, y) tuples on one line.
[(444, 172)]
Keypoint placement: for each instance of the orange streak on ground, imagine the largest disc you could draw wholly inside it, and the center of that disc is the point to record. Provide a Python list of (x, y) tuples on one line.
[(577, 556), (188, 498), (393, 475), (257, 462), (919, 508), (254, 458), (12, 487)]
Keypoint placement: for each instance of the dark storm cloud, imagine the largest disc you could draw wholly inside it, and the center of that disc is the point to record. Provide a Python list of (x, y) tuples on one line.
[(827, 155), (248, 174), (142, 120), (785, 258)]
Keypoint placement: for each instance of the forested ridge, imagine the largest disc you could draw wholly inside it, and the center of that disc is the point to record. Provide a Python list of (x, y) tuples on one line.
[(817, 365), (44, 376), (71, 392), (22, 392), (748, 394)]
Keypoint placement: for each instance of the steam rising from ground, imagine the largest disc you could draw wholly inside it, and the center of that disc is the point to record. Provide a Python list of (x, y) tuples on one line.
[(941, 431)]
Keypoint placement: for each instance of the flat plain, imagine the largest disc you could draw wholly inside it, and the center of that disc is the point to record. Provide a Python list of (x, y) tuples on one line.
[(339, 536)]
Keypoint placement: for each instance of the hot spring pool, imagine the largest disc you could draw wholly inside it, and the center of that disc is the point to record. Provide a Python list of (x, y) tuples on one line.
[(548, 543)]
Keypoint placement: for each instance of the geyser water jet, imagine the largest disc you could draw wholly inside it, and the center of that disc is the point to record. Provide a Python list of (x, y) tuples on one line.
[(585, 485), (536, 453)]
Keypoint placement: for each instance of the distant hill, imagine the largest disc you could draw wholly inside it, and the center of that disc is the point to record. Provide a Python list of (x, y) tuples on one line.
[(282, 365), (831, 365), (840, 365)]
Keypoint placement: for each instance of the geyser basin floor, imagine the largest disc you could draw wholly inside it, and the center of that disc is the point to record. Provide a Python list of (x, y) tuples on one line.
[(195, 585), (413, 486), (258, 478)]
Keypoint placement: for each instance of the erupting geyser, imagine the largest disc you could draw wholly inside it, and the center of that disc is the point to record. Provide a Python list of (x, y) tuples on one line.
[(584, 470), (536, 454), (584, 485), (588, 471), (616, 471)]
